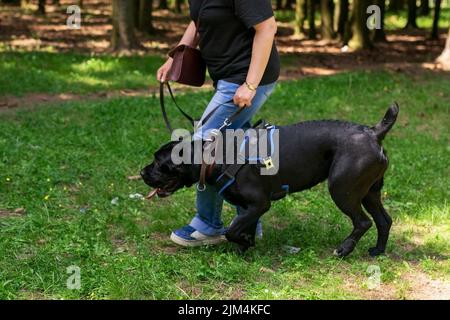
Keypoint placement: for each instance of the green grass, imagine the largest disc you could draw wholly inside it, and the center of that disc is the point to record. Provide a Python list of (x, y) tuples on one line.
[(47, 72), (64, 164)]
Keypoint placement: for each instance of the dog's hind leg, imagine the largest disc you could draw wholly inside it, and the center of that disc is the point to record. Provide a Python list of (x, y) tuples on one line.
[(372, 203), (347, 188), (361, 223)]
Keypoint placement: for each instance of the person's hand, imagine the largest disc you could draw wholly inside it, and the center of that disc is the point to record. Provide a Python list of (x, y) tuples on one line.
[(161, 74), (244, 96)]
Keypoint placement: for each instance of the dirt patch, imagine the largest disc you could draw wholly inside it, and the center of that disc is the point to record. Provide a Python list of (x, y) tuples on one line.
[(6, 213), (382, 292), (414, 285), (189, 291), (162, 243), (35, 100), (423, 287)]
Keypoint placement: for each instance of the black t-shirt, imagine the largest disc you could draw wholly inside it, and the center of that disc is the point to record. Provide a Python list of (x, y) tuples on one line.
[(226, 37)]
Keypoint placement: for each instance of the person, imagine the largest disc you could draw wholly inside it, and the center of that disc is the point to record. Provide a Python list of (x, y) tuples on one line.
[(236, 40)]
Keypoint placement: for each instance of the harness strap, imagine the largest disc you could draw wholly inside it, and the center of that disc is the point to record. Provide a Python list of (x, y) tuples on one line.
[(228, 177)]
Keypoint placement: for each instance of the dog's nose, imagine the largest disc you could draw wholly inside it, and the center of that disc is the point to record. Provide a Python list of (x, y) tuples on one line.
[(142, 173)]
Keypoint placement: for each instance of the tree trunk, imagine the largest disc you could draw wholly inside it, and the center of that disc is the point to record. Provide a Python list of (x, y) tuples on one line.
[(444, 58), (437, 13), (412, 15), (379, 34), (41, 6), (424, 7), (311, 12), (289, 4), (178, 5), (300, 17), (326, 9), (123, 37), (145, 16), (12, 2), (360, 33), (341, 17), (135, 7), (396, 5), (163, 4), (279, 4)]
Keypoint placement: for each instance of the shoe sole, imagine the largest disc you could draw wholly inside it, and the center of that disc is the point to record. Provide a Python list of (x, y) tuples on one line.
[(197, 243)]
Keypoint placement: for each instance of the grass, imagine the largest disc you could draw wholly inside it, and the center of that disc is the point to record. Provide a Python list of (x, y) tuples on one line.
[(64, 164), (47, 72)]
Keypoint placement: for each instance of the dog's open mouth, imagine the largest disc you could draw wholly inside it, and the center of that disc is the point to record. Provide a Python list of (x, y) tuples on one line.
[(162, 193)]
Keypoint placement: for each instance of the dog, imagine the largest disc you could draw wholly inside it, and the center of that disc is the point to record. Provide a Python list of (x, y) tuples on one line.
[(349, 155)]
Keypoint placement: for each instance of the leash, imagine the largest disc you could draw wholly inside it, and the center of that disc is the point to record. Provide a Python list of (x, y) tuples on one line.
[(228, 121), (163, 107)]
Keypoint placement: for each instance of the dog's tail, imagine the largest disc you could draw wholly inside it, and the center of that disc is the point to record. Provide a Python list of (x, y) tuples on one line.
[(383, 127)]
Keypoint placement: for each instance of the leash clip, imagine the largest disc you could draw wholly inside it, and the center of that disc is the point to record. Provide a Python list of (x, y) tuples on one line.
[(226, 123)]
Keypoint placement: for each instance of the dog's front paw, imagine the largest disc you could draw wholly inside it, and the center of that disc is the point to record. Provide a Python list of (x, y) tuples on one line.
[(375, 251), (241, 249), (244, 240)]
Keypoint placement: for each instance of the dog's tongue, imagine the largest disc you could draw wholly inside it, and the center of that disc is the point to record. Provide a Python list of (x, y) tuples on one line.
[(151, 194)]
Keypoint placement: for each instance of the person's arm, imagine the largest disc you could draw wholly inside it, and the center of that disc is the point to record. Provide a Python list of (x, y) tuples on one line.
[(262, 47), (189, 38)]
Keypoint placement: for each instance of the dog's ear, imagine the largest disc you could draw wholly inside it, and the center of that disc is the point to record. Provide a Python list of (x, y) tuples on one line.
[(166, 147)]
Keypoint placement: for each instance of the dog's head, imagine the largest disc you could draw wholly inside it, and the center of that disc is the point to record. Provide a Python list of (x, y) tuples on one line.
[(165, 176)]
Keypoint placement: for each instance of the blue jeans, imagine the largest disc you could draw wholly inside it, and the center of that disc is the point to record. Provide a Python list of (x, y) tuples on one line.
[(209, 203)]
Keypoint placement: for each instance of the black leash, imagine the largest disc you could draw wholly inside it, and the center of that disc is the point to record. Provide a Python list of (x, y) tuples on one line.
[(163, 107), (228, 121)]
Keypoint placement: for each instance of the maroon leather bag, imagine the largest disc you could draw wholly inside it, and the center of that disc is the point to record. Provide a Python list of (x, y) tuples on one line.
[(188, 66)]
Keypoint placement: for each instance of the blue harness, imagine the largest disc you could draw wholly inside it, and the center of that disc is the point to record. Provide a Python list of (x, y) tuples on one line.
[(228, 177)]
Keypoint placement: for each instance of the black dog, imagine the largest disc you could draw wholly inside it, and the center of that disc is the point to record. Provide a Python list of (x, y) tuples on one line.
[(349, 155)]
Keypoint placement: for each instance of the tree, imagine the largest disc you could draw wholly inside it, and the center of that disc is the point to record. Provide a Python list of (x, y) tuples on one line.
[(326, 9), (145, 16), (360, 33), (379, 35), (444, 58), (279, 4), (41, 7), (412, 15), (178, 4), (311, 12), (12, 2), (289, 4), (341, 14), (135, 8), (163, 4), (424, 7), (123, 37), (437, 13), (396, 5), (300, 17)]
